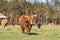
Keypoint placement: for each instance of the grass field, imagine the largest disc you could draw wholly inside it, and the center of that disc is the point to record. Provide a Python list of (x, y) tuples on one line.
[(44, 33)]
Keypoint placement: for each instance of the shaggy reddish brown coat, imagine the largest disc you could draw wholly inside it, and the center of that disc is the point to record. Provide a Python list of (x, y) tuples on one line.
[(26, 22)]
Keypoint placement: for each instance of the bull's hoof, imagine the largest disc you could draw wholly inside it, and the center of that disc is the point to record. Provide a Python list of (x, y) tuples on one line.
[(22, 33), (27, 33)]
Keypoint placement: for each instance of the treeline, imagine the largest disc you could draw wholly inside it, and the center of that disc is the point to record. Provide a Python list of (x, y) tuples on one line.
[(46, 13)]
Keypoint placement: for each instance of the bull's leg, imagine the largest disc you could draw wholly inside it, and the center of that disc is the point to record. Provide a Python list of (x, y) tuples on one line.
[(22, 30), (27, 29), (30, 27), (3, 27)]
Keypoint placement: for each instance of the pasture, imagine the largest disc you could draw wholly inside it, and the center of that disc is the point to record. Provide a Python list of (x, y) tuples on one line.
[(44, 33)]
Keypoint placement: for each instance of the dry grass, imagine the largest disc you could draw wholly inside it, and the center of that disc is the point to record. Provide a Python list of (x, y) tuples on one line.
[(44, 33)]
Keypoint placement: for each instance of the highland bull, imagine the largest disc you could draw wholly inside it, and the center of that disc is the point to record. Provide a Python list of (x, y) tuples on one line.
[(26, 22)]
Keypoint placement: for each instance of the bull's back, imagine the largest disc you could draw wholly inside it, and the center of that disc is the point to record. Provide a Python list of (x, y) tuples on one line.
[(22, 20)]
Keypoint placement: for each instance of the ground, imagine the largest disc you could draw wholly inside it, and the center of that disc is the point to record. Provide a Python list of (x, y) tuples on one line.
[(44, 33)]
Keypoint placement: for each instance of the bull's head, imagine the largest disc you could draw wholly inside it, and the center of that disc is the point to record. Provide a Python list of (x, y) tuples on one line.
[(30, 18)]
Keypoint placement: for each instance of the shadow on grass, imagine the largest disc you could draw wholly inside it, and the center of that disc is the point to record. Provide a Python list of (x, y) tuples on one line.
[(33, 34)]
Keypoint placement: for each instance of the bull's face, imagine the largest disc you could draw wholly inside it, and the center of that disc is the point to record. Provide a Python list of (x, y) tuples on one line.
[(30, 18)]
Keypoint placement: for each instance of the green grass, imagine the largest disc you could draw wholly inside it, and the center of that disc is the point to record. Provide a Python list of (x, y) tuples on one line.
[(44, 33)]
